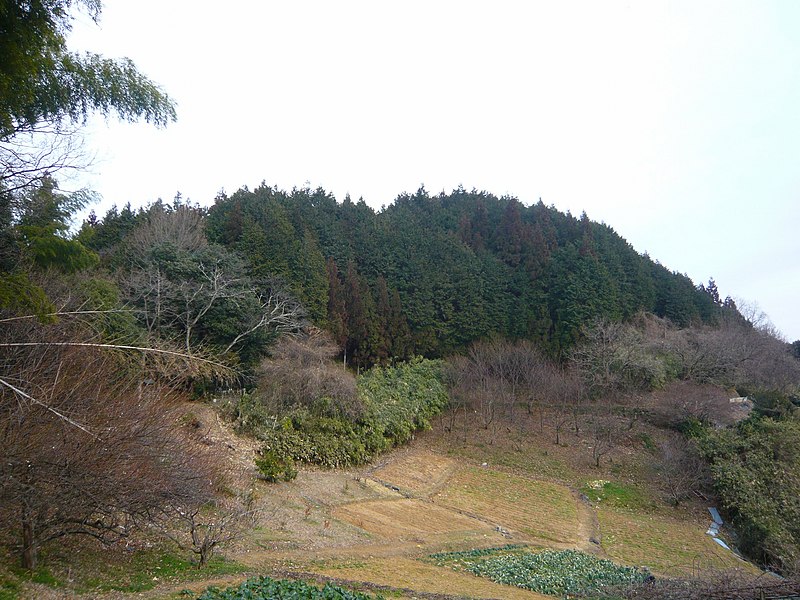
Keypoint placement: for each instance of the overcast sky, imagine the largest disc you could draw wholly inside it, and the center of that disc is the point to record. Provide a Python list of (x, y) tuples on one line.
[(677, 123)]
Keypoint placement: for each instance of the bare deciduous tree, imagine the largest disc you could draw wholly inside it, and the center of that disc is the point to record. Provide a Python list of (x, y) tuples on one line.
[(205, 527), (680, 401), (37, 152), (613, 357), (303, 372), (680, 469), (605, 432), (88, 440), (565, 392), (277, 312), (181, 225), (181, 291), (458, 380)]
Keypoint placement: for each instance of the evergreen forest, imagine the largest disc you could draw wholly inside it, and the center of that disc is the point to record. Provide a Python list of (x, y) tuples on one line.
[(430, 274)]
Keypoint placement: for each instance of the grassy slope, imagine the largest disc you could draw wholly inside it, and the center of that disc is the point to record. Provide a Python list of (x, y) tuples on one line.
[(441, 493)]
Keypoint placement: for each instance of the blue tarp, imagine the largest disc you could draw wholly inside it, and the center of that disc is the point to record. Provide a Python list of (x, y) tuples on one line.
[(721, 543)]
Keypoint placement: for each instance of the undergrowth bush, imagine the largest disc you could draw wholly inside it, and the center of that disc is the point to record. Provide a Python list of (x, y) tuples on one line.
[(274, 468), (396, 402), (756, 470), (403, 398)]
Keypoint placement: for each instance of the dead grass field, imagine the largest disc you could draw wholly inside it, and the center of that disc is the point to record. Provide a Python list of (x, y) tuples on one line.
[(667, 545), (407, 519), (424, 577), (418, 472), (538, 509)]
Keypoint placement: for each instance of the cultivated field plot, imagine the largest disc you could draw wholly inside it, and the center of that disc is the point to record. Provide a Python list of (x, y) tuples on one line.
[(666, 545), (407, 519), (416, 472), (336, 487), (540, 509), (425, 577)]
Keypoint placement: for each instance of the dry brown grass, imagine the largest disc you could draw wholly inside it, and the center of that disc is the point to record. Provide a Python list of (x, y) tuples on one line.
[(407, 519), (418, 472), (540, 509), (668, 545), (425, 577), (350, 525)]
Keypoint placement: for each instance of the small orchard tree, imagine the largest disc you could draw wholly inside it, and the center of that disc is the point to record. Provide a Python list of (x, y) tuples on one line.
[(605, 432), (203, 527)]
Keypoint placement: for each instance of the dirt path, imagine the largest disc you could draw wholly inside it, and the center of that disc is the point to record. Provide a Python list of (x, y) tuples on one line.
[(588, 527)]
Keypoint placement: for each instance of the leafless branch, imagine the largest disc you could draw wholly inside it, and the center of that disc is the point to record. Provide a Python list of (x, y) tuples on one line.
[(59, 414)]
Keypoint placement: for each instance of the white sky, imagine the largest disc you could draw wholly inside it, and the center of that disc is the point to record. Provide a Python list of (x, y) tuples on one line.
[(677, 123)]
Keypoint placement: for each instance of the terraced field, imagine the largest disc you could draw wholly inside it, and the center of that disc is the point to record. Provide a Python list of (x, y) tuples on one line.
[(417, 472), (538, 510), (667, 545), (407, 519), (378, 527)]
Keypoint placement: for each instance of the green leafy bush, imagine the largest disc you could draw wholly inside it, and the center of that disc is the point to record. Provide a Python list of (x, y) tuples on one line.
[(266, 588), (773, 403), (275, 468), (397, 401), (248, 413), (756, 471), (325, 441), (403, 398)]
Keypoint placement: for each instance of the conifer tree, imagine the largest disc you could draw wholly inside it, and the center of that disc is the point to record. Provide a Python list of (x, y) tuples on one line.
[(337, 313), (363, 342)]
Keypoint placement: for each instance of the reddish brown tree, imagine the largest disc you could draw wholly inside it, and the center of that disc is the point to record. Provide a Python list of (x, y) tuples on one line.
[(89, 440)]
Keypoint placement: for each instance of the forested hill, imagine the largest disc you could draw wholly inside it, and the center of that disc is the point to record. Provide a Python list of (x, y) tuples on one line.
[(429, 274)]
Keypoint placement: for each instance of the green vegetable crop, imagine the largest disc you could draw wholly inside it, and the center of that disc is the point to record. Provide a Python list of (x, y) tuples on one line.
[(266, 588)]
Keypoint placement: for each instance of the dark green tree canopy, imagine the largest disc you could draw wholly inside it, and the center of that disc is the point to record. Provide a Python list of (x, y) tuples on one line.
[(430, 274), (41, 81)]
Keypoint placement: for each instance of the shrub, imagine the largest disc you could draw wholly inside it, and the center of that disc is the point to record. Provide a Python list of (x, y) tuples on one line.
[(403, 398), (397, 401), (756, 471), (275, 468)]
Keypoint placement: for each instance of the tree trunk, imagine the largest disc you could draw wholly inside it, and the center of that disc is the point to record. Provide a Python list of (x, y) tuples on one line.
[(30, 556)]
